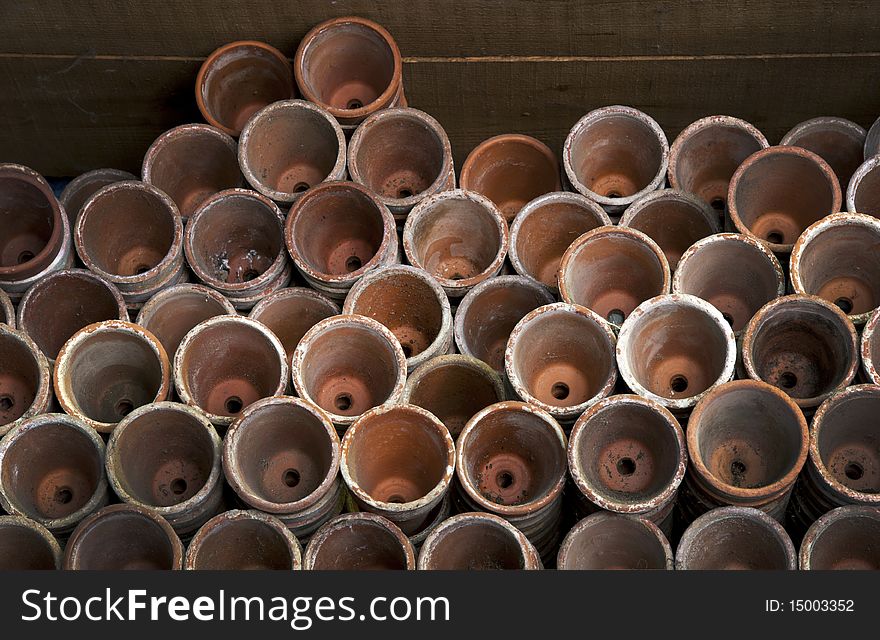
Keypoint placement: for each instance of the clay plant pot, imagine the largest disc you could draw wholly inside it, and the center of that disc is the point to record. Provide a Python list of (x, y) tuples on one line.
[(403, 155), (282, 457), (131, 234), (454, 388), (123, 537), (165, 457), (350, 66), (478, 541), (234, 243), (863, 192), (173, 312), (778, 192), (604, 541), (612, 270), (614, 155), (109, 369), (338, 232), (489, 312), (459, 237), (36, 232), (737, 274), (706, 154), (243, 540), (239, 79), (360, 541), (52, 471), (836, 259), (27, 546), (560, 357), (77, 192), (25, 379), (347, 365), (290, 146), (843, 539), (191, 163), (838, 141), (290, 313), (511, 170), (545, 227), (227, 363), (64, 302)]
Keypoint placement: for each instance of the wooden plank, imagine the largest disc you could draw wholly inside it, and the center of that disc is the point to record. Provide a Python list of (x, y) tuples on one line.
[(64, 116), (441, 28)]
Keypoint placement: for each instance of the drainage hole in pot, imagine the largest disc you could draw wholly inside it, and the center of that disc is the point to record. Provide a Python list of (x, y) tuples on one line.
[(396, 499), (354, 104), (775, 237), (124, 407), (141, 269), (25, 256), (404, 193), (717, 204), (678, 384), (353, 264), (299, 187), (626, 466), (234, 404), (178, 486), (853, 471), (616, 316), (249, 275), (6, 403), (613, 194), (291, 477), (343, 402), (845, 304), (737, 468), (63, 495), (560, 391), (788, 380), (504, 479)]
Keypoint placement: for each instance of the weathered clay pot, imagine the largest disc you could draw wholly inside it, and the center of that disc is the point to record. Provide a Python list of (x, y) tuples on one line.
[(191, 163), (25, 384), (398, 461), (403, 155), (489, 312), (243, 540), (454, 388), (36, 232), (173, 312), (560, 357), (610, 541), (282, 457), (411, 303), (837, 259), (359, 541), (627, 454), (165, 457), (109, 369), (737, 274), (459, 237), (52, 471), (614, 155), (735, 538), (838, 141), (227, 363), (290, 146), (131, 234), (336, 233), (77, 192), (863, 193), (235, 244), (747, 442), (673, 219), (612, 270), (26, 545), (512, 462), (778, 192), (123, 536), (545, 227), (289, 313), (706, 154), (674, 348), (350, 66), (348, 364), (511, 170), (843, 539), (802, 344), (239, 79), (64, 302), (477, 541)]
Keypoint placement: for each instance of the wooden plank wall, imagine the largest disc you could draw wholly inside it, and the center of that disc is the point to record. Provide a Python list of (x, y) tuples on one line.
[(91, 83)]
